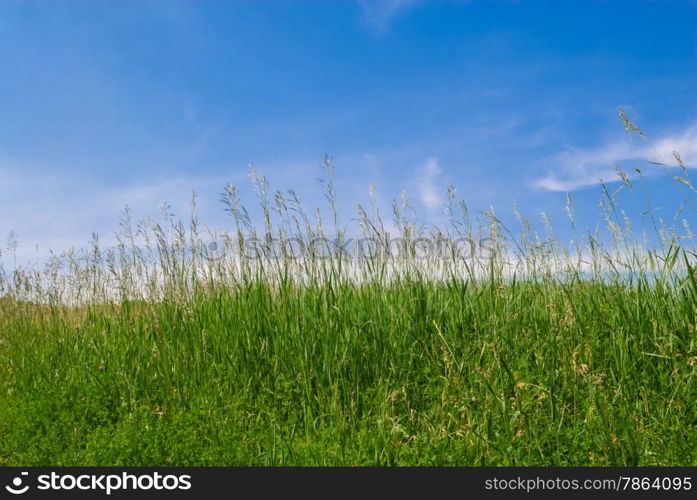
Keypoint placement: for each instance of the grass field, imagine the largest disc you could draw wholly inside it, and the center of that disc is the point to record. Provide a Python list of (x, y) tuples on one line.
[(170, 350)]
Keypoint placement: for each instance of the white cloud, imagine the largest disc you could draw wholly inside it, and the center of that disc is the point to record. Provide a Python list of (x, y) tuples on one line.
[(579, 168), (427, 185), (54, 211), (379, 13)]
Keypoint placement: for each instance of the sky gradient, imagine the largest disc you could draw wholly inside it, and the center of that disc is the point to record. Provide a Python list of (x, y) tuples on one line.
[(105, 104)]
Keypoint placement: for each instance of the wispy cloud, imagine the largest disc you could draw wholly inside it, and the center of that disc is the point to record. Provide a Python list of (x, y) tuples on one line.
[(380, 13), (427, 184), (578, 168), (57, 212)]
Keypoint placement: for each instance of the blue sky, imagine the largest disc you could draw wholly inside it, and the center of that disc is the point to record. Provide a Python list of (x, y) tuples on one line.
[(111, 103)]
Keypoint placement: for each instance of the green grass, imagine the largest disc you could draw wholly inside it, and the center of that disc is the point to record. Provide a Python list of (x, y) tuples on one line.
[(158, 352), (412, 373)]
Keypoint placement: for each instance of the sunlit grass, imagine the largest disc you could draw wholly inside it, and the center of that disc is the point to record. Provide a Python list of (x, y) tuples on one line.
[(166, 351)]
